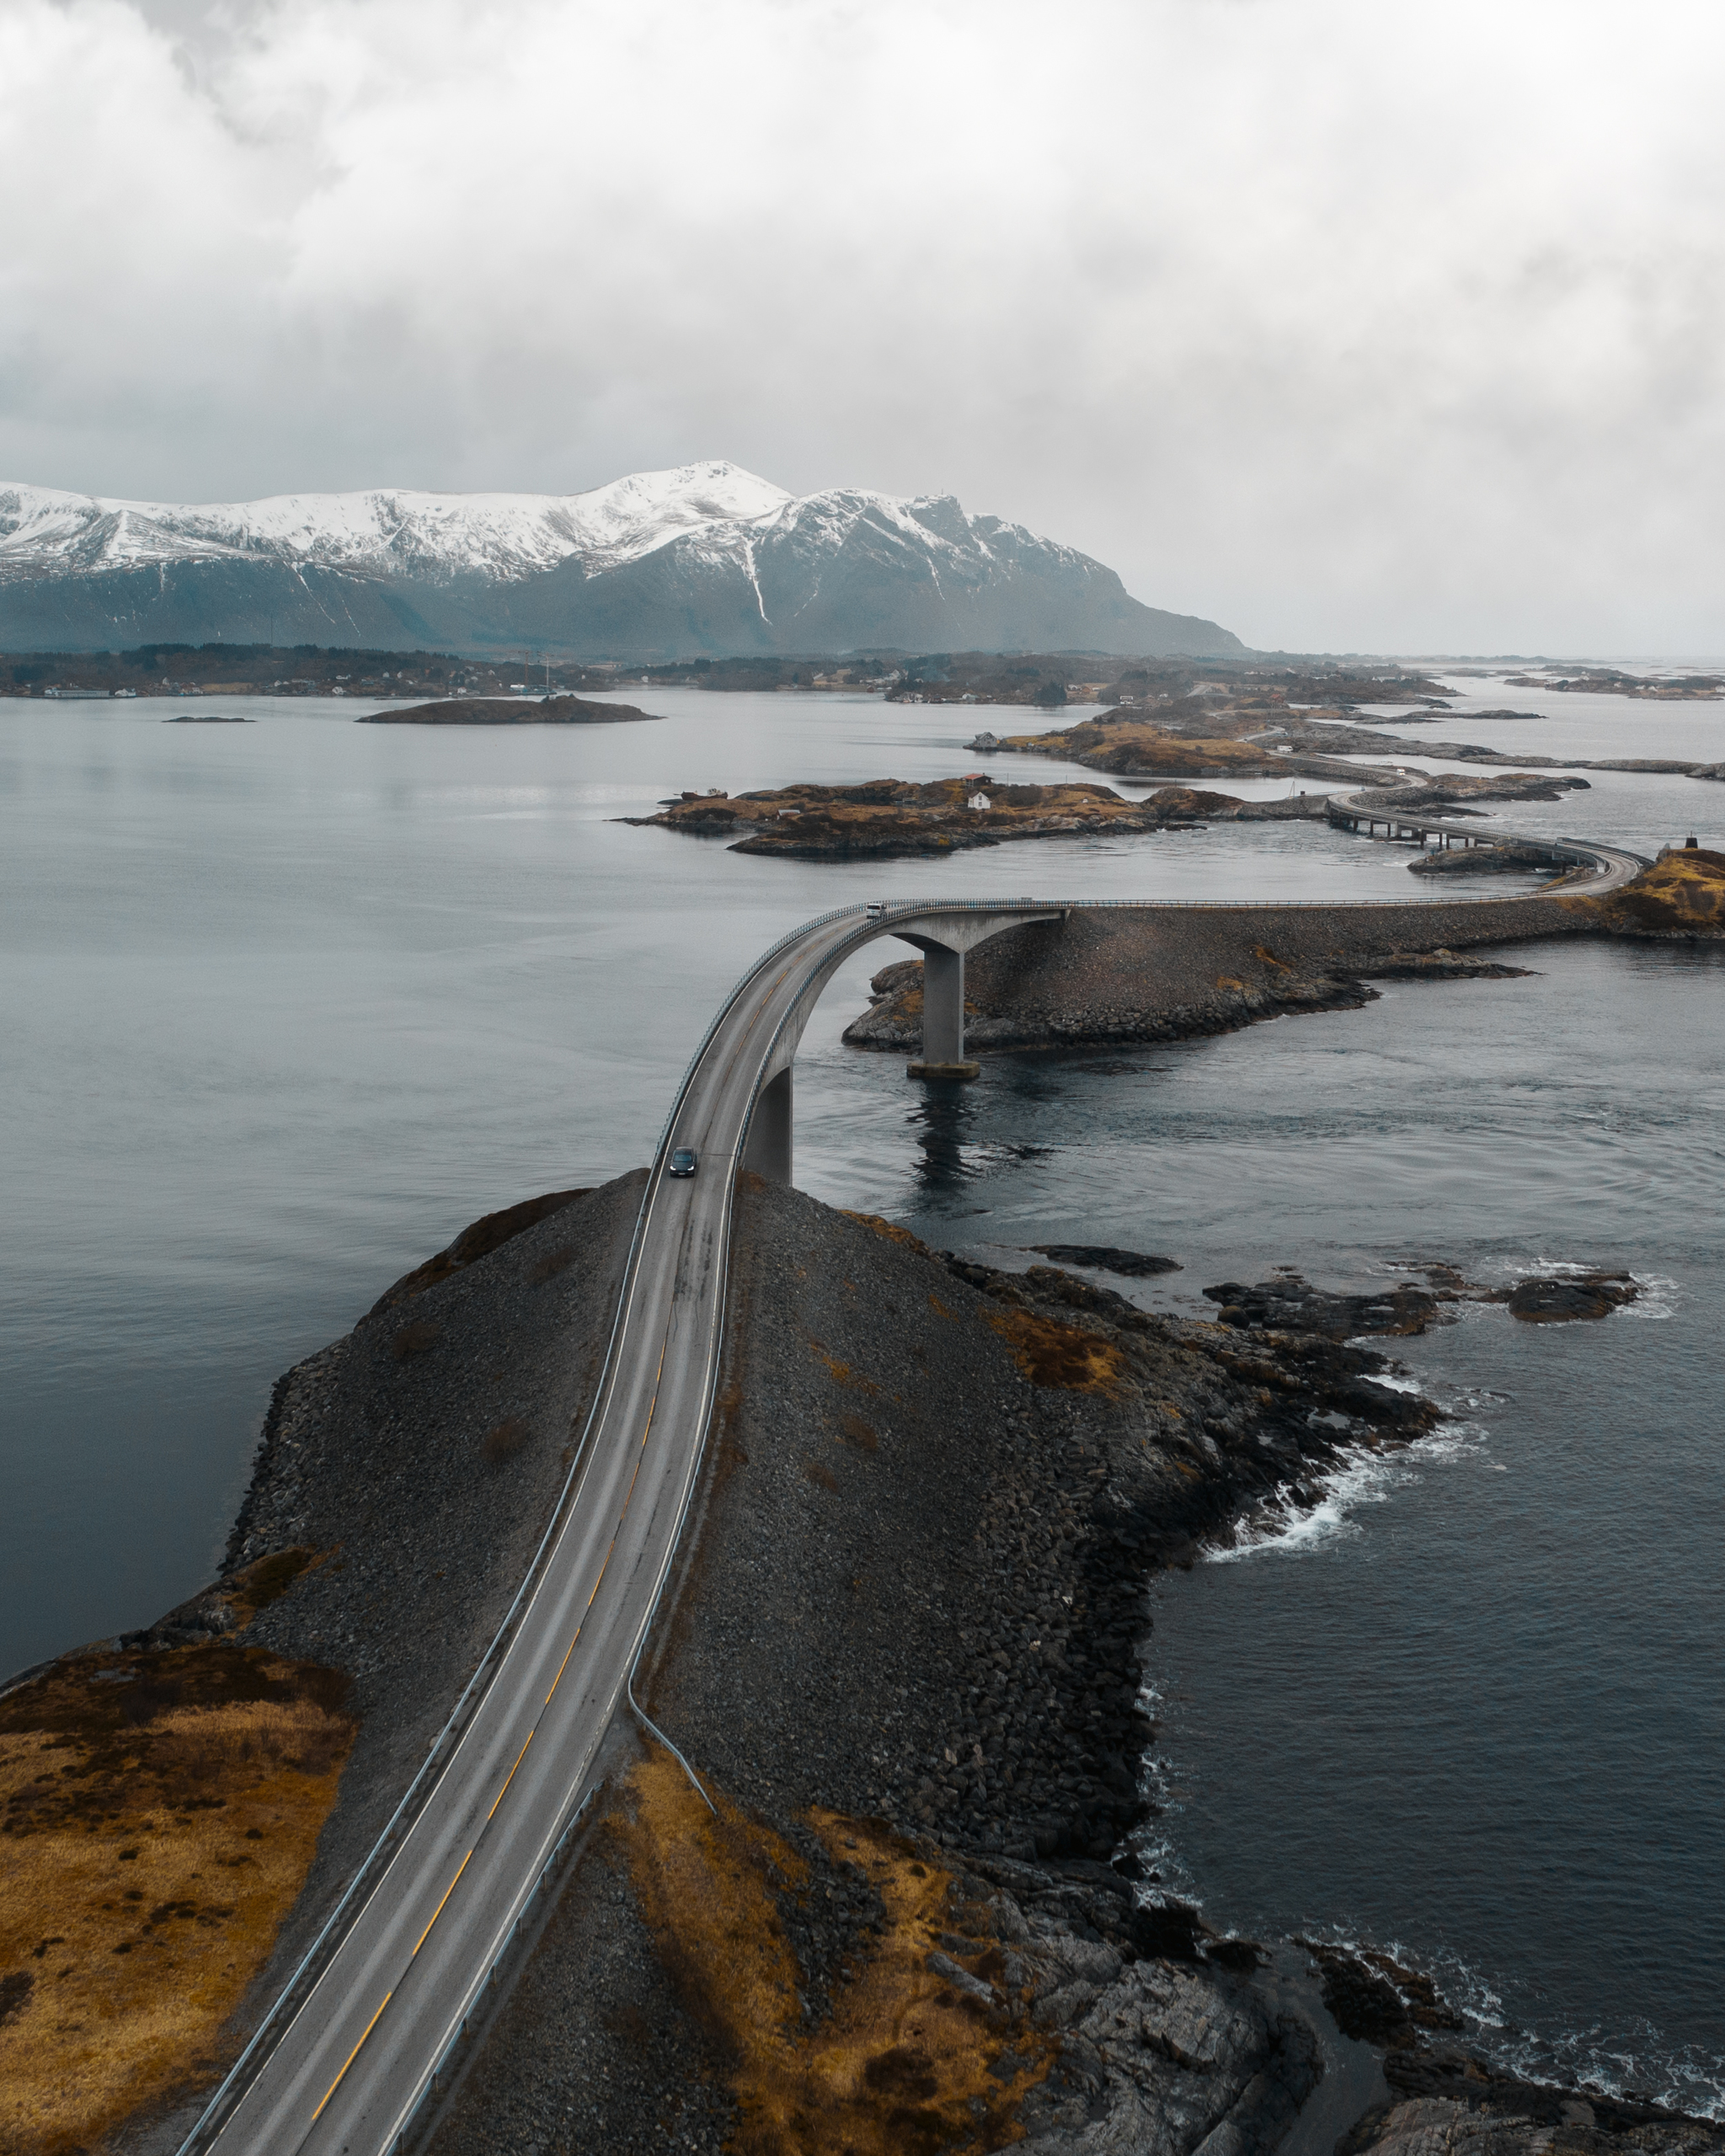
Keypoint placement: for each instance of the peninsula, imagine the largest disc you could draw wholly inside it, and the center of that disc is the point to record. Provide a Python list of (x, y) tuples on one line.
[(903, 1906)]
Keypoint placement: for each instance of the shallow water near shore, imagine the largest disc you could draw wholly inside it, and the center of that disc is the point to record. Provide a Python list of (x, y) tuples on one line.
[(288, 1004)]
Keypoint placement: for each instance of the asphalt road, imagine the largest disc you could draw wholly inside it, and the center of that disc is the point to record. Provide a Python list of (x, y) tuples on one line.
[(348, 2069), (1613, 865)]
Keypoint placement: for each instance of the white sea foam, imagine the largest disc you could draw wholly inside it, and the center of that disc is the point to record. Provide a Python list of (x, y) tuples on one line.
[(1361, 1476), (1634, 2060), (1658, 1298)]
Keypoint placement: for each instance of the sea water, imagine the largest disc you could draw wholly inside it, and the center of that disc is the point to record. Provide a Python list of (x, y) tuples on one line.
[(288, 1004)]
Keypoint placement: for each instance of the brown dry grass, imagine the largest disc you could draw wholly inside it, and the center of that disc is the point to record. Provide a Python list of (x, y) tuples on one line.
[(1054, 1354), (902, 2066), (156, 1830), (889, 1230), (1682, 894)]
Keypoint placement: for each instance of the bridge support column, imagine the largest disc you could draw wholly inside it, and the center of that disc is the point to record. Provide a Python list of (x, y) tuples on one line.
[(942, 1017), (768, 1151)]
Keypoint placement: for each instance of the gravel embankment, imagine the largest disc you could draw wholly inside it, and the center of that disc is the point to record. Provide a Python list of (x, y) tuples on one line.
[(1175, 975)]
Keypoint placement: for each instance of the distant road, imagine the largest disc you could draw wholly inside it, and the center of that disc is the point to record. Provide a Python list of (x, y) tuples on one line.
[(346, 2071)]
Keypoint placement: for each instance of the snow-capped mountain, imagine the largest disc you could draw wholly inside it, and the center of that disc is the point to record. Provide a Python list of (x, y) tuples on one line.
[(706, 559)]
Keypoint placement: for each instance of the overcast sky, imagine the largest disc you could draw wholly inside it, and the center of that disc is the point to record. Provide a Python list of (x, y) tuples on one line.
[(1349, 323)]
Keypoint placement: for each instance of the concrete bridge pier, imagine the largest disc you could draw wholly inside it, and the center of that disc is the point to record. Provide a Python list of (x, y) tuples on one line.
[(768, 1150), (942, 1016)]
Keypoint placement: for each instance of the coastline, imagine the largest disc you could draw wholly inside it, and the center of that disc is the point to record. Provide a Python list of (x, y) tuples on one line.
[(909, 1621)]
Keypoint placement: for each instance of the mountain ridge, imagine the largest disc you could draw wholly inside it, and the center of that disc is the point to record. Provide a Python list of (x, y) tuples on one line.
[(703, 559)]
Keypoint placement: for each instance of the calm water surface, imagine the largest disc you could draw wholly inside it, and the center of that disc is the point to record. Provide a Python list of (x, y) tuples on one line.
[(288, 1004)]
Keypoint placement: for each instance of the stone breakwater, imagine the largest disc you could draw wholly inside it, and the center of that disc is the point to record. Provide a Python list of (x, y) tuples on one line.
[(1178, 972)]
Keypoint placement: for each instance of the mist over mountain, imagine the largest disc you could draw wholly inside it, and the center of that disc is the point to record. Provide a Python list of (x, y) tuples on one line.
[(703, 561)]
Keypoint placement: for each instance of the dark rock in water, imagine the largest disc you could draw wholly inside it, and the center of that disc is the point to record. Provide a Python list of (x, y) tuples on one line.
[(1445, 2096), (1292, 1304), (1440, 965), (1558, 1302), (1131, 1264), (1479, 861)]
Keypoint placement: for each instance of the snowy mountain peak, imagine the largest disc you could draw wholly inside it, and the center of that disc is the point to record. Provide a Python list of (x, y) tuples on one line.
[(384, 531), (705, 558)]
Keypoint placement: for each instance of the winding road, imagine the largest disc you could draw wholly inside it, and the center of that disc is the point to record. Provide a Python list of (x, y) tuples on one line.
[(346, 2061)]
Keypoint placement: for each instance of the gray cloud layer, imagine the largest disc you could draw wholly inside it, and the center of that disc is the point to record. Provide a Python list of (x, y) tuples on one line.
[(1349, 325)]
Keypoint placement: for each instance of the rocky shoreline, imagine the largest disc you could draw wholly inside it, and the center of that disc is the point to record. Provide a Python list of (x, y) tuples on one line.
[(903, 1655)]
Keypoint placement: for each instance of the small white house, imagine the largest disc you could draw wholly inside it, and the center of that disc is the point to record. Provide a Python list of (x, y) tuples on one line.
[(978, 801)]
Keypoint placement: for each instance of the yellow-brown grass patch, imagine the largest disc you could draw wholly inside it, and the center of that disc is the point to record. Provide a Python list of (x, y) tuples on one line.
[(1054, 1354), (889, 1230), (902, 2065), (161, 1811), (1682, 894)]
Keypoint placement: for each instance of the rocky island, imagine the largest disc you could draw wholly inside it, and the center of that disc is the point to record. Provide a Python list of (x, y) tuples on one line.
[(888, 817), (506, 711), (1257, 732)]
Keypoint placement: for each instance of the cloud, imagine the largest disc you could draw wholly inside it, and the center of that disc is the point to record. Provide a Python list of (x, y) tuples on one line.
[(1352, 327)]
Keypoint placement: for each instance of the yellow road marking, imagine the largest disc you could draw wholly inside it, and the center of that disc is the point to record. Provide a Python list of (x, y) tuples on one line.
[(349, 2059), (438, 1911), (509, 1778), (564, 1663)]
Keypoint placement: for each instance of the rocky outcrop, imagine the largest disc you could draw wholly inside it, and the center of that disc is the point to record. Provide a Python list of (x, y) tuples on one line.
[(1446, 2100), (1470, 2125), (502, 711), (1497, 859), (1290, 1304), (1450, 787), (1102, 1257), (1681, 897), (881, 819), (1563, 1301)]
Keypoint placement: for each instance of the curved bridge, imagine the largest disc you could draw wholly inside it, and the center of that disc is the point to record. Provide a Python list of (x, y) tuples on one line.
[(1611, 866), (346, 2063)]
